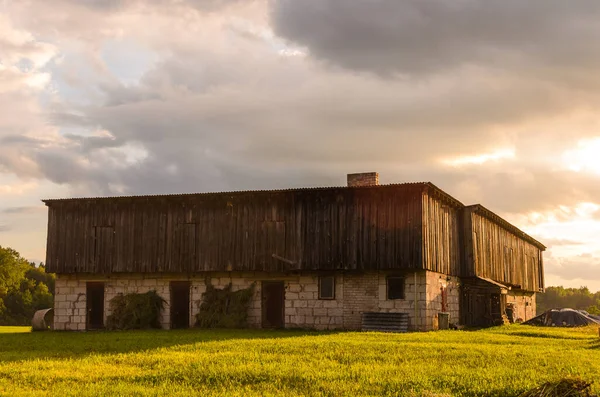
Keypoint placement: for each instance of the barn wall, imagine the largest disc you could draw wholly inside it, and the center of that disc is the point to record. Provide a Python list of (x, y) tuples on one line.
[(355, 293), (69, 304), (303, 309), (437, 286), (500, 255), (441, 236), (525, 304), (321, 229)]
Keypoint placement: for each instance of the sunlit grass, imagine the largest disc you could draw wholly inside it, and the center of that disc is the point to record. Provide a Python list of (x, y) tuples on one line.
[(14, 330), (500, 361)]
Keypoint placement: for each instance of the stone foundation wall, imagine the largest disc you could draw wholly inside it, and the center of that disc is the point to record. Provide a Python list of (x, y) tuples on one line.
[(525, 304), (140, 285), (437, 285), (361, 294), (69, 304), (355, 293), (304, 309), (412, 293)]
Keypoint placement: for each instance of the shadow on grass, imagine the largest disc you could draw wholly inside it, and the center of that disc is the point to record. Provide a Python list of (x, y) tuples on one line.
[(63, 345), (544, 335)]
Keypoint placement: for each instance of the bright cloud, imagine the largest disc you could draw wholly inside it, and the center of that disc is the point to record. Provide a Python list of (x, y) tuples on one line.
[(586, 157), (501, 154)]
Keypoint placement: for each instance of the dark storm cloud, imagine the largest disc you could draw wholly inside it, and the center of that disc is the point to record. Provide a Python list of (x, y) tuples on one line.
[(432, 36)]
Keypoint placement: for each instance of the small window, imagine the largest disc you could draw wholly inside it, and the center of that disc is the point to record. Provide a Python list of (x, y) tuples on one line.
[(395, 288), (327, 287)]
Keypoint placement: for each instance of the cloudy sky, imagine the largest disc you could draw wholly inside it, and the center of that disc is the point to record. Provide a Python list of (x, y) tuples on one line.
[(494, 101)]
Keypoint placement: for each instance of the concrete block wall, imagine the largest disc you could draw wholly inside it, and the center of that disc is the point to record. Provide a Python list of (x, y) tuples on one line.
[(525, 304), (406, 305), (427, 293), (437, 282), (70, 297), (361, 294), (69, 304), (138, 284), (355, 293), (304, 309)]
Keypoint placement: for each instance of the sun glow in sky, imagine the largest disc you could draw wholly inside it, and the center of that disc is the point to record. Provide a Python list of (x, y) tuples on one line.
[(179, 96), (586, 157), (496, 155)]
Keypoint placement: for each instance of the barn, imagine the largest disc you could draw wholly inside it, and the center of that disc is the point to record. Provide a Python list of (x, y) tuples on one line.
[(353, 257)]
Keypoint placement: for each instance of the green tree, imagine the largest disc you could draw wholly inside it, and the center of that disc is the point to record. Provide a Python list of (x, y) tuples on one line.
[(12, 270), (24, 288), (574, 298)]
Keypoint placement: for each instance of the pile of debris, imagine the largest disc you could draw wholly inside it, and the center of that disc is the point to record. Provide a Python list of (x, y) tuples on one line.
[(564, 318), (561, 388)]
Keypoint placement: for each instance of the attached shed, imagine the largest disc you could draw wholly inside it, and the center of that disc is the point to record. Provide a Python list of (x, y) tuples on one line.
[(503, 269)]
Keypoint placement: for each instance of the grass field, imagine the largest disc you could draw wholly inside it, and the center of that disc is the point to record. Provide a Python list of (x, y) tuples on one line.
[(500, 361)]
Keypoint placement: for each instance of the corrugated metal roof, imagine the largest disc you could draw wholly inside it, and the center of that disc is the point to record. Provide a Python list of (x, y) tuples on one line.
[(236, 192)]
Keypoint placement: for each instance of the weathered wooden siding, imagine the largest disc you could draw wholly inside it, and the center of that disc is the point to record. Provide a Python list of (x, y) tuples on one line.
[(498, 254), (312, 229), (441, 247)]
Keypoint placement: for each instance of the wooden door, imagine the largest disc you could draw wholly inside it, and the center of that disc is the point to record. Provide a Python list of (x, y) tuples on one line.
[(95, 305), (496, 308), (273, 304), (480, 309), (180, 304)]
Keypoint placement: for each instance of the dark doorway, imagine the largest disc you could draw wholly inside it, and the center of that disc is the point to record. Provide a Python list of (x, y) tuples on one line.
[(180, 304), (273, 304), (95, 305)]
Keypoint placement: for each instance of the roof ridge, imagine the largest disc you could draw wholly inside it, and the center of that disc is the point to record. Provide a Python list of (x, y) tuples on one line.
[(300, 189)]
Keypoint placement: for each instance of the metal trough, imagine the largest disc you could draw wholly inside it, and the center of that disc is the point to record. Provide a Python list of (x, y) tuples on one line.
[(42, 320)]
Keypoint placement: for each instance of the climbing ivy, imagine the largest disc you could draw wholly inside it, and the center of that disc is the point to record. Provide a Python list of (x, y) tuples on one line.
[(224, 308), (135, 311)]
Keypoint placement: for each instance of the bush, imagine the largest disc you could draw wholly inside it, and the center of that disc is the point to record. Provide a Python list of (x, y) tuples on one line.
[(135, 311), (223, 308)]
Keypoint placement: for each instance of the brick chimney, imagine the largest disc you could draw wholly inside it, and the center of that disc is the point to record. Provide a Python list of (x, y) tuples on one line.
[(363, 179)]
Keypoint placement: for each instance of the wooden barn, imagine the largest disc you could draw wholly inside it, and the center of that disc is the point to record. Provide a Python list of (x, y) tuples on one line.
[(362, 256)]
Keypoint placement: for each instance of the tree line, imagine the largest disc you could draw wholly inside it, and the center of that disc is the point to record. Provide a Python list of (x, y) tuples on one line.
[(24, 288), (572, 298)]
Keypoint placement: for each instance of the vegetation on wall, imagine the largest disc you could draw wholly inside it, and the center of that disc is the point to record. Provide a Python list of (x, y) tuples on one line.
[(135, 311), (573, 298), (224, 308), (24, 288)]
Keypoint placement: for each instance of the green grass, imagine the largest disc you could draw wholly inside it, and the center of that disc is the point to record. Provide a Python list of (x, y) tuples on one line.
[(503, 361), (14, 330)]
